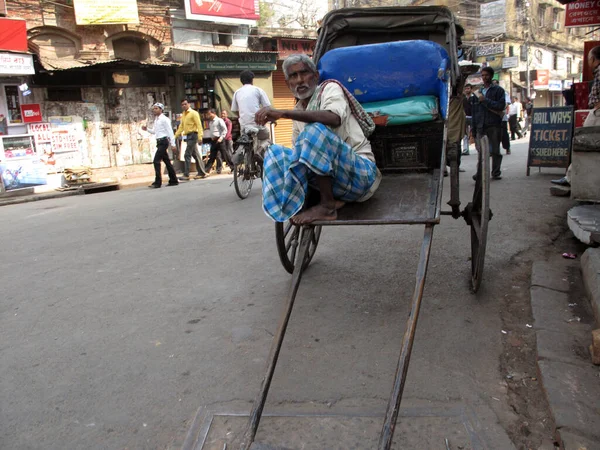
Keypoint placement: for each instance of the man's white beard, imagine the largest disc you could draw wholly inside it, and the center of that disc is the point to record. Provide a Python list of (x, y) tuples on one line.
[(307, 94)]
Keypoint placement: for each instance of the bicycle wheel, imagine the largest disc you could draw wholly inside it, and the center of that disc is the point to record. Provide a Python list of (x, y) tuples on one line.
[(242, 179), (287, 237), (480, 215)]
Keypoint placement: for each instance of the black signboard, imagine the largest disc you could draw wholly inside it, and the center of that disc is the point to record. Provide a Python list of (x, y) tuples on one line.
[(550, 137)]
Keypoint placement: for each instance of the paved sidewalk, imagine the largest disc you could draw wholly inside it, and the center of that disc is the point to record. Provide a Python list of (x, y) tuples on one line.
[(125, 183), (563, 324)]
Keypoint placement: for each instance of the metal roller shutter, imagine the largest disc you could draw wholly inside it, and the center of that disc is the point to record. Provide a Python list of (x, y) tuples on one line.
[(282, 99)]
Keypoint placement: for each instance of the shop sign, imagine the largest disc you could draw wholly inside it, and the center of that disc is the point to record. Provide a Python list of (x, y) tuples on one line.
[(583, 13), (510, 62), (490, 49), (31, 113), (567, 84), (550, 142), (236, 61), (42, 135), (543, 79), (67, 140), (287, 47), (555, 85), (231, 11), (16, 64), (94, 12), (13, 34)]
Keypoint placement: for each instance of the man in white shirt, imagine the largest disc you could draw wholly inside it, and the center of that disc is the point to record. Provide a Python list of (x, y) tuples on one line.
[(515, 112), (330, 150), (163, 132), (248, 99), (218, 132)]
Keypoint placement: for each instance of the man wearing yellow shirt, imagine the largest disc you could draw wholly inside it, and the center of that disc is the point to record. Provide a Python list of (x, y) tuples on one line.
[(189, 128)]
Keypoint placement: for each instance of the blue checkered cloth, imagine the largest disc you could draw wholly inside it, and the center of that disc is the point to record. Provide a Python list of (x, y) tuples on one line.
[(318, 150)]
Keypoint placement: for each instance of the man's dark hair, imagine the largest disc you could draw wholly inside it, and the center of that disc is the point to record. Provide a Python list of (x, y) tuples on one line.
[(469, 85), (213, 111), (595, 52), (489, 70), (184, 100), (246, 77)]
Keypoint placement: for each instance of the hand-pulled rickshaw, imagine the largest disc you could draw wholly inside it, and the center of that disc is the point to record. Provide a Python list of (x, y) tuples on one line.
[(420, 64)]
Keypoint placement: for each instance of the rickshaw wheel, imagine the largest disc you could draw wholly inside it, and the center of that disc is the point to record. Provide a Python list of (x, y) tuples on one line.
[(480, 214), (288, 236)]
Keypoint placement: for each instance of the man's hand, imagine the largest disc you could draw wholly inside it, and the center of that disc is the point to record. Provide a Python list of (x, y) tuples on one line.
[(267, 114), (220, 140), (481, 97)]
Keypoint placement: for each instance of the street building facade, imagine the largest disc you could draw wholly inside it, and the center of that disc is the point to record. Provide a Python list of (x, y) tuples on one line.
[(521, 37)]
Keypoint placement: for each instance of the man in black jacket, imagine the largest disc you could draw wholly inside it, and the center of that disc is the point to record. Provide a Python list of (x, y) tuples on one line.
[(488, 110)]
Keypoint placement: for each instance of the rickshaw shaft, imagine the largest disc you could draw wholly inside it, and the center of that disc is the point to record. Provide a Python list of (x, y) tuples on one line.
[(391, 415), (261, 398)]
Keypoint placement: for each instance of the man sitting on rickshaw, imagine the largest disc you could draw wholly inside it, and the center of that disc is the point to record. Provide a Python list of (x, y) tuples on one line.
[(330, 150)]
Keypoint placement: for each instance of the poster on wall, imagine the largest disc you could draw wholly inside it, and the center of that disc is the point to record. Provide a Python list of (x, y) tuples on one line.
[(550, 141), (19, 165), (93, 12), (244, 12), (67, 140)]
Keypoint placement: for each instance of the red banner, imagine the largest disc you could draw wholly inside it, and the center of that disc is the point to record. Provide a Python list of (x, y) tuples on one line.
[(231, 11), (31, 113), (583, 13)]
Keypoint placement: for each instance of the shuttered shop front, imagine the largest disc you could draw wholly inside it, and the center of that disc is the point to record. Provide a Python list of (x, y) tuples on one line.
[(282, 99)]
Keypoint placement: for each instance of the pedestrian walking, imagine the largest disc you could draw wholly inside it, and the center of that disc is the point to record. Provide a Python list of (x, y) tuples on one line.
[(189, 129), (468, 93), (228, 138), (162, 130), (248, 99), (515, 114), (528, 108), (488, 111), (218, 132)]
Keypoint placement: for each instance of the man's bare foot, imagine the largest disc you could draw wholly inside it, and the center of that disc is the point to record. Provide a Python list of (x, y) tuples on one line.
[(339, 204), (319, 212)]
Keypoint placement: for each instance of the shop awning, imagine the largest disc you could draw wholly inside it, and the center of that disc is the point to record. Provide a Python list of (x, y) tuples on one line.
[(56, 64)]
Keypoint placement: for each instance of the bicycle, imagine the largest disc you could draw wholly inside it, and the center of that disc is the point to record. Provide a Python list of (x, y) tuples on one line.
[(247, 159)]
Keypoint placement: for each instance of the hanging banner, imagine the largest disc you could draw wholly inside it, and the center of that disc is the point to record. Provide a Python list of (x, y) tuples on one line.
[(94, 12), (550, 141), (244, 12)]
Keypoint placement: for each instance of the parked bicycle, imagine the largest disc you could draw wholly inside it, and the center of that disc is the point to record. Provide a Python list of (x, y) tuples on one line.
[(248, 159)]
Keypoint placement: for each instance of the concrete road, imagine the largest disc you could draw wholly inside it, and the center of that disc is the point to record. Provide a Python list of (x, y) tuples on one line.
[(123, 313)]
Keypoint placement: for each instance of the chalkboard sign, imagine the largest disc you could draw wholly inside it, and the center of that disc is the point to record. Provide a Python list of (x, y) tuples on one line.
[(550, 137)]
